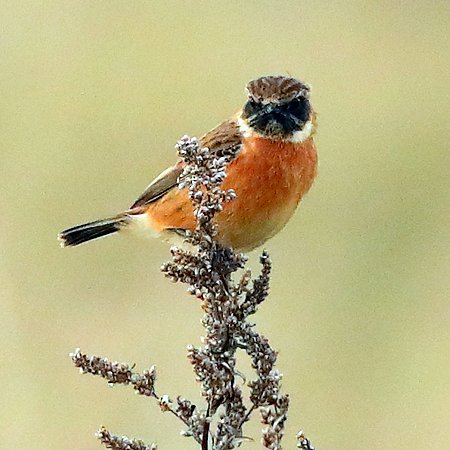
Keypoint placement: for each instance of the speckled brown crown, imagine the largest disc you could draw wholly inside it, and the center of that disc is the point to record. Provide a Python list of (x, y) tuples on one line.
[(276, 89)]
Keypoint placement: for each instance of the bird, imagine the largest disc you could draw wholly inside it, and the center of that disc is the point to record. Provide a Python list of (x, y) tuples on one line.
[(274, 165)]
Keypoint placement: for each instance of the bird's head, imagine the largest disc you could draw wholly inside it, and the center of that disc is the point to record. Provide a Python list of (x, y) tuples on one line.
[(278, 107)]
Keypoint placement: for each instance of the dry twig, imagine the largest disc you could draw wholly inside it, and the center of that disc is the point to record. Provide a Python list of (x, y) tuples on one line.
[(208, 270)]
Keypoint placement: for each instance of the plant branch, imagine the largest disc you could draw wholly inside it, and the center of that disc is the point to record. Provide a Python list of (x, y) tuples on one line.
[(217, 276)]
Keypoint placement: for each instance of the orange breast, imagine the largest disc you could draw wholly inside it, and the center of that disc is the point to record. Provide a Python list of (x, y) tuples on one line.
[(269, 178)]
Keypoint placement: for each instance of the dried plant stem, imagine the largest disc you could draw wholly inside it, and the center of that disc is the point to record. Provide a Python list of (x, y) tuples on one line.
[(121, 442), (209, 271), (205, 435)]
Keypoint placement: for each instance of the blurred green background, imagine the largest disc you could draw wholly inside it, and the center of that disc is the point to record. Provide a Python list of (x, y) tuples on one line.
[(94, 96)]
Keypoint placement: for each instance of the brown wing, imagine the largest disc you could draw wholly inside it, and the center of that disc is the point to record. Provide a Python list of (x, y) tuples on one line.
[(159, 186), (225, 139)]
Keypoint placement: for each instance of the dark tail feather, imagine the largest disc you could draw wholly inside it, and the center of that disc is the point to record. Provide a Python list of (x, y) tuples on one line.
[(92, 230)]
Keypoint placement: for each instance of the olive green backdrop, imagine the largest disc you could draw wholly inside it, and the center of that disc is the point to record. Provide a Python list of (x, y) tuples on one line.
[(94, 95)]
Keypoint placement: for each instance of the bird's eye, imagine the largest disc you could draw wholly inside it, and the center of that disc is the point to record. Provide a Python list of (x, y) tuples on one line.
[(299, 108), (250, 108)]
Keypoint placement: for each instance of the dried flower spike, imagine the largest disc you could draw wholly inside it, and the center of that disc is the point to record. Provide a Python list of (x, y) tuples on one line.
[(209, 271)]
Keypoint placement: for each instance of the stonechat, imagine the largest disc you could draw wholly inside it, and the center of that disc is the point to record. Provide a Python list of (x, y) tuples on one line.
[(274, 166)]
